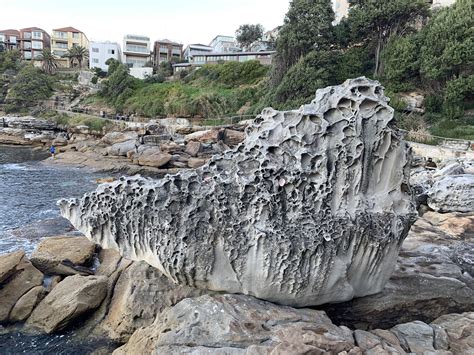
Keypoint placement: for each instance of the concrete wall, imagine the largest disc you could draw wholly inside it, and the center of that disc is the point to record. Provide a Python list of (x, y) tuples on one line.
[(141, 73), (100, 52)]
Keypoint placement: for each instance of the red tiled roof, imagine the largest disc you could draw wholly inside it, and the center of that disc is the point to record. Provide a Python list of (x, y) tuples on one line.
[(67, 29), (10, 32), (32, 29)]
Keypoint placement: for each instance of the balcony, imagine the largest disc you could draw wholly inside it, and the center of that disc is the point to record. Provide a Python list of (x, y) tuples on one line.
[(130, 48)]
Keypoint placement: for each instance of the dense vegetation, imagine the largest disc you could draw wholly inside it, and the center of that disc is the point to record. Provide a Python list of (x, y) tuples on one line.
[(211, 91), (398, 42)]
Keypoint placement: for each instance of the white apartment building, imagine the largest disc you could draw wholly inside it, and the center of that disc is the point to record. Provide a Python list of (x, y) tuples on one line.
[(136, 50), (224, 44), (100, 52), (193, 49)]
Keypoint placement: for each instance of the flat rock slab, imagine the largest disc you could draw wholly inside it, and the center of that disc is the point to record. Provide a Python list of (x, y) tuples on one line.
[(236, 323), (64, 255), (71, 298)]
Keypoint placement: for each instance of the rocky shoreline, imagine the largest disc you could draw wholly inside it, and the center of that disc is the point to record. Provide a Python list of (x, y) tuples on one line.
[(70, 283), (189, 301)]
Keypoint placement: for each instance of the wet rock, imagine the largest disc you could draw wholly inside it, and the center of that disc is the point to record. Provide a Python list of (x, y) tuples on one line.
[(140, 294), (25, 305), (236, 323), (73, 297), (64, 255), (28, 123), (18, 277), (279, 218), (452, 194)]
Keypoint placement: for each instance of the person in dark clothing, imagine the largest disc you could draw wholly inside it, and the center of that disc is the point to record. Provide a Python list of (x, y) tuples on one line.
[(52, 150)]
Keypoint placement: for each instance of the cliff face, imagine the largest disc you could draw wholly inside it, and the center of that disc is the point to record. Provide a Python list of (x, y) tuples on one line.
[(311, 208)]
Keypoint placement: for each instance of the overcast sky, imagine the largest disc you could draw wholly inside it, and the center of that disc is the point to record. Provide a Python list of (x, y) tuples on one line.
[(184, 21)]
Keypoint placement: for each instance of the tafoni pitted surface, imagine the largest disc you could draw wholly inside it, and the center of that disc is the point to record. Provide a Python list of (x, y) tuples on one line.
[(311, 208)]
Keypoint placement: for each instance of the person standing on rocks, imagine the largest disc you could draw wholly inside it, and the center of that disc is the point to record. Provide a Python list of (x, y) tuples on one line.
[(52, 150)]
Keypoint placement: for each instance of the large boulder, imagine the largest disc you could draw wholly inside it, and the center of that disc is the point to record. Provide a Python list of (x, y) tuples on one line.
[(119, 137), (17, 277), (434, 276), (154, 157), (231, 323), (311, 208), (72, 298), (452, 194), (121, 149), (25, 305), (64, 255), (140, 294)]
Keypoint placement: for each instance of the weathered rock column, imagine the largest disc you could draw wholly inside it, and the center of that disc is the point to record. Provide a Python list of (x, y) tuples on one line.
[(311, 208)]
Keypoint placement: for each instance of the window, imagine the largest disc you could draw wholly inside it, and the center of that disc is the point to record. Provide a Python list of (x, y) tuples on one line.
[(136, 48), (26, 35), (95, 50), (12, 39), (75, 35), (95, 60), (26, 45), (37, 44), (111, 51), (27, 55), (60, 45), (2, 38), (37, 34), (60, 34)]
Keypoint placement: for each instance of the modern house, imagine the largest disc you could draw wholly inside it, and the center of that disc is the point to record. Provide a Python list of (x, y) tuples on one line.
[(136, 50), (33, 41), (199, 60), (167, 51), (194, 49), (9, 39), (441, 3), (100, 52), (64, 39), (224, 44)]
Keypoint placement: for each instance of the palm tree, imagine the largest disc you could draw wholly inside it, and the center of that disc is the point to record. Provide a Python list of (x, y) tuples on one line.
[(49, 61), (81, 55), (76, 54)]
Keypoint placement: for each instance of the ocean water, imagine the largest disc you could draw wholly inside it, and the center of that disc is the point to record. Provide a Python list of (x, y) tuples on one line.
[(29, 191)]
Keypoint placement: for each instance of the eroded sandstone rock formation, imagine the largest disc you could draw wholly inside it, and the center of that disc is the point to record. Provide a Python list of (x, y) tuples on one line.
[(311, 208)]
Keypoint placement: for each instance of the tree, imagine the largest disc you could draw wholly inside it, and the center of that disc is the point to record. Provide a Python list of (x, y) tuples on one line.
[(448, 48), (112, 65), (119, 86), (378, 20), (247, 34), (77, 54), (29, 87), (307, 27), (49, 62), (10, 60)]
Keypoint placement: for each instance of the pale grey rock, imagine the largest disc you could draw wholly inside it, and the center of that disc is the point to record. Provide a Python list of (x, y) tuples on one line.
[(119, 137), (416, 337), (28, 123), (237, 324), (311, 208), (460, 331), (433, 276), (121, 149), (454, 168), (452, 194)]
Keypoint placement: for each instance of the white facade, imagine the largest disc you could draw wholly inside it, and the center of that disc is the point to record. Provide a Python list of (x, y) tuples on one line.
[(224, 44), (141, 73), (136, 50), (100, 52), (193, 49), (441, 3)]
